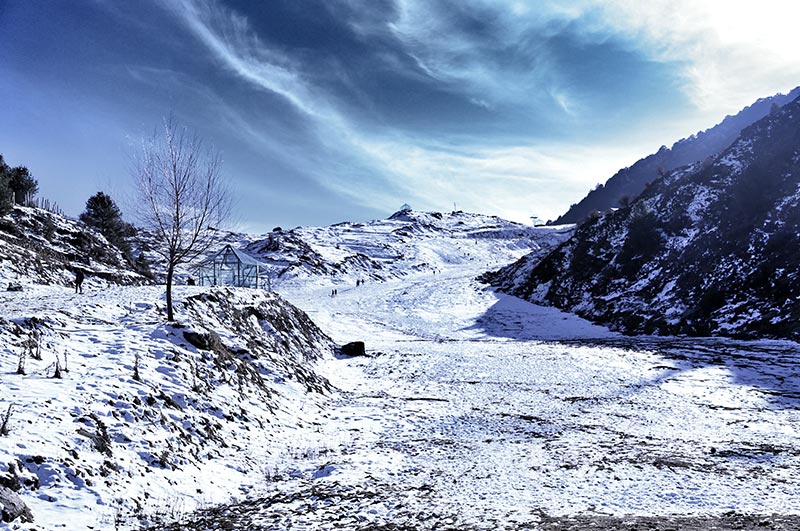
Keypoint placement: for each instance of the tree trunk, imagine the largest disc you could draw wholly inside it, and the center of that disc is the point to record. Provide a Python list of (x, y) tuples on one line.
[(170, 274)]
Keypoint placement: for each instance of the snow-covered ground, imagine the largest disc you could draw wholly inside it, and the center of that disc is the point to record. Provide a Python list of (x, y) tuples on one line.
[(476, 409), (100, 448)]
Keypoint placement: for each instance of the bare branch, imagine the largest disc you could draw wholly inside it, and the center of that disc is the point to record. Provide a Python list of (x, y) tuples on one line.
[(184, 198)]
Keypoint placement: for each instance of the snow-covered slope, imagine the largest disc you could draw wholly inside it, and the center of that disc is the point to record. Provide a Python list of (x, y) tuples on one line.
[(39, 247), (477, 411), (115, 415), (710, 248), (408, 242)]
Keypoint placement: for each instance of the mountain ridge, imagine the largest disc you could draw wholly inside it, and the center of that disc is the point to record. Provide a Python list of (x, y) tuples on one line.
[(625, 185), (707, 249)]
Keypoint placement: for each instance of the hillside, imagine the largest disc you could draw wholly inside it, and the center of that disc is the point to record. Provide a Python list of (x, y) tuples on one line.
[(472, 410), (110, 415), (406, 243), (39, 247), (707, 249), (630, 182), (114, 416), (142, 413)]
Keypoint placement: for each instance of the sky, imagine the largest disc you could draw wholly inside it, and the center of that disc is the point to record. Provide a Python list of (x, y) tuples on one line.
[(333, 110)]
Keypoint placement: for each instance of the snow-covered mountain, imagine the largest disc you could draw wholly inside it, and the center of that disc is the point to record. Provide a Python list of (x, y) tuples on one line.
[(711, 248), (630, 182), (406, 243)]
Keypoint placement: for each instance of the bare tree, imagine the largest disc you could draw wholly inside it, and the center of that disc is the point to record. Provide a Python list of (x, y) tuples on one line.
[(184, 199)]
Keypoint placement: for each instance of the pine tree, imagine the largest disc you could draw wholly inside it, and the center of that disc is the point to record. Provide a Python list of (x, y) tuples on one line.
[(6, 203), (103, 214), (22, 184)]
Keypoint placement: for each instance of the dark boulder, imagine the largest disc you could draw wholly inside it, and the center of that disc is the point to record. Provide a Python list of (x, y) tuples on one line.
[(356, 348)]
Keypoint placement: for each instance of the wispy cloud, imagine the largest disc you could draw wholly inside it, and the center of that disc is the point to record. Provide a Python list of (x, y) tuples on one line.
[(513, 181), (232, 41), (728, 53), (229, 36), (731, 52), (493, 53)]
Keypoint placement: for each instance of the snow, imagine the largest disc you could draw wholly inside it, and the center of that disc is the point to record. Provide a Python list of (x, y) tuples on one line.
[(473, 408), (407, 243), (503, 416), (183, 435)]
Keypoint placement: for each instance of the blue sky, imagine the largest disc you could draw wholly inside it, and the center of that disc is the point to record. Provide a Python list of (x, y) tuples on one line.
[(332, 110)]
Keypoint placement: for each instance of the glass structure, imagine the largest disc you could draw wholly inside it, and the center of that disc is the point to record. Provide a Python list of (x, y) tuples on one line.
[(232, 267)]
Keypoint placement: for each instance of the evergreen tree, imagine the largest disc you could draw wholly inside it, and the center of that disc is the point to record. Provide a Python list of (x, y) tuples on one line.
[(142, 266), (22, 184), (6, 203), (103, 214)]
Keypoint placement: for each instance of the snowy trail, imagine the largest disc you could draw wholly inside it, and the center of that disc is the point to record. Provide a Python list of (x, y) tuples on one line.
[(475, 411), (486, 411)]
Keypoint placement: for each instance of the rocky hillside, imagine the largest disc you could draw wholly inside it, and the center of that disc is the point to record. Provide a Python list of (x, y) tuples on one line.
[(110, 415), (406, 243), (628, 183), (710, 248), (39, 247)]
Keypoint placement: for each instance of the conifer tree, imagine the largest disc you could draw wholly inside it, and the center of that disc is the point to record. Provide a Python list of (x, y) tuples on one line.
[(103, 214), (6, 202), (22, 184)]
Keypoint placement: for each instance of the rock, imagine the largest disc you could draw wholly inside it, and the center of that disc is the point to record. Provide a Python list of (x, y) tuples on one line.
[(356, 348), (12, 507)]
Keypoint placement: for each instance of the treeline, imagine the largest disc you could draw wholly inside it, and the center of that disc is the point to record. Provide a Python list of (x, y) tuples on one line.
[(18, 187)]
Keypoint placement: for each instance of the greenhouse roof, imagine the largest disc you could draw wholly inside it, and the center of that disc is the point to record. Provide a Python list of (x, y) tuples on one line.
[(243, 257)]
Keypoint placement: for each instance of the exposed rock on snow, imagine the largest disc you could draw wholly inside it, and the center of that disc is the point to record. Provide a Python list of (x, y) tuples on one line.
[(37, 246), (709, 249), (355, 348), (12, 507)]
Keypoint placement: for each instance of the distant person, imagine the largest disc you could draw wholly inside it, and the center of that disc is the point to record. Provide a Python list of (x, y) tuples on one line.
[(190, 281), (79, 275)]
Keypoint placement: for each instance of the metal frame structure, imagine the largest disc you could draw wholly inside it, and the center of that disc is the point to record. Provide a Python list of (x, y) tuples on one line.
[(231, 267)]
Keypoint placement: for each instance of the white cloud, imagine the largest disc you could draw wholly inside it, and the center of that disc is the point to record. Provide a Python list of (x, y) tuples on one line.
[(467, 63), (734, 52), (229, 37), (730, 58), (514, 182), (729, 52)]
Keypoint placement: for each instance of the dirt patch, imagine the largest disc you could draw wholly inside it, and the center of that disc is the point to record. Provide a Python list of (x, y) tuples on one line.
[(728, 521)]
